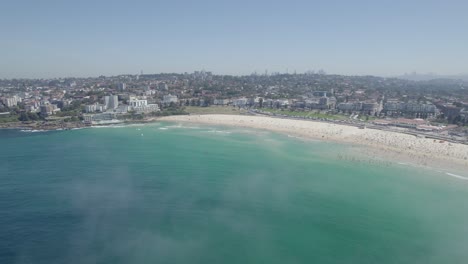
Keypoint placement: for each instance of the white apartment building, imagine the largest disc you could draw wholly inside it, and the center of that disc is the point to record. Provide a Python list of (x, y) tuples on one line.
[(167, 99), (111, 102), (12, 101), (142, 106), (133, 102)]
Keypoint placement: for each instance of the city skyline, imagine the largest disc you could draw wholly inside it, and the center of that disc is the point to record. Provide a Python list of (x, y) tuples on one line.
[(69, 39)]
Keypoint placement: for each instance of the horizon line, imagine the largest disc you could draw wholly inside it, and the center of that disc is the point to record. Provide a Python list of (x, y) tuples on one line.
[(428, 74)]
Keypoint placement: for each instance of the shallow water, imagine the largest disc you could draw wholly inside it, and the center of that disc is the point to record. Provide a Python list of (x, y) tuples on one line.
[(170, 193)]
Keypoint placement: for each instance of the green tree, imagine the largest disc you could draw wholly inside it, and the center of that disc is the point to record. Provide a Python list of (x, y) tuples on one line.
[(33, 116), (23, 117)]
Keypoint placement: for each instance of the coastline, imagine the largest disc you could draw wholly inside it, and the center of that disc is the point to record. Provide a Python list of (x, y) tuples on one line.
[(53, 126), (389, 145), (43, 125), (374, 144)]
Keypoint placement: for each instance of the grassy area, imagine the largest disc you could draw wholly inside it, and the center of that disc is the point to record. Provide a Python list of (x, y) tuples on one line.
[(8, 118), (315, 114), (225, 110), (305, 114)]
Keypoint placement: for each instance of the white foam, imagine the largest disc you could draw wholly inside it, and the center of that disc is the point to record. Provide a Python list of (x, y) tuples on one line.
[(183, 127), (175, 126), (163, 128), (108, 126), (457, 176), (32, 131), (219, 131)]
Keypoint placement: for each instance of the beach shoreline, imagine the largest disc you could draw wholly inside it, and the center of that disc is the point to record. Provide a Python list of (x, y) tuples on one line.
[(389, 145)]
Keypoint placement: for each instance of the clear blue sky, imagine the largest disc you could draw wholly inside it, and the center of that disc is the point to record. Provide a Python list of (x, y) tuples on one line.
[(42, 38)]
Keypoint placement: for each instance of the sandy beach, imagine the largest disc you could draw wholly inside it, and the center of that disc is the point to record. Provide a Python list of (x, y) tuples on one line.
[(385, 144)]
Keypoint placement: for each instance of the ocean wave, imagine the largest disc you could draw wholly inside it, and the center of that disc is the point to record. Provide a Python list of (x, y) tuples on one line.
[(120, 125), (109, 126), (180, 126), (33, 130), (218, 131), (137, 125), (184, 127), (457, 176), (174, 126)]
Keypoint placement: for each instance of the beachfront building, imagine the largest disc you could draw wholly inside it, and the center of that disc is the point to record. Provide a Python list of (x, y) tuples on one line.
[(240, 102), (134, 102), (325, 103), (411, 109), (107, 117), (449, 111), (371, 108), (349, 107), (12, 101), (122, 109), (321, 103), (111, 102), (417, 123), (366, 107), (168, 99), (279, 103), (221, 101), (147, 108), (141, 106), (409, 123), (94, 108), (48, 109), (402, 122)]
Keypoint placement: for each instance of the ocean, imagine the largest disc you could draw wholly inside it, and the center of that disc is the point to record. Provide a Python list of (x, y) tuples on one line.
[(170, 193)]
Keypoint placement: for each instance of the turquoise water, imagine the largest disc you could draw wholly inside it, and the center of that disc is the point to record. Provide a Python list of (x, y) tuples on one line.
[(169, 194)]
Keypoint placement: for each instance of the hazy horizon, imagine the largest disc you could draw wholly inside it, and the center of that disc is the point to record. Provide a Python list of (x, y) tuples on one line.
[(414, 76), (82, 39)]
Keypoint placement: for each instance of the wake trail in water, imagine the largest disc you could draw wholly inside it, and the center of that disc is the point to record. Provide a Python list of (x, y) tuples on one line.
[(457, 176)]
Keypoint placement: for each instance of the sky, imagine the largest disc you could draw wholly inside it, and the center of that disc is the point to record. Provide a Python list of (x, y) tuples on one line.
[(48, 39)]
